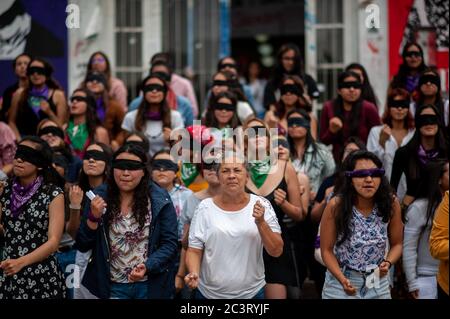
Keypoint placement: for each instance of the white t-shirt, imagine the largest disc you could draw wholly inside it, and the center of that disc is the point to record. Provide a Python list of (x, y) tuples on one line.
[(244, 110), (387, 154), (153, 129), (232, 264)]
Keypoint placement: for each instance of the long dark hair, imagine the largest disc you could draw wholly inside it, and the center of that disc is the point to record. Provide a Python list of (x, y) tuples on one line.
[(141, 192), (210, 119), (408, 122), (339, 171), (309, 139), (441, 144), (279, 70), (338, 107), (429, 185), (144, 106), (49, 174), (399, 79), (49, 81), (302, 103), (367, 91), (383, 198), (83, 179), (92, 121), (439, 102), (107, 72)]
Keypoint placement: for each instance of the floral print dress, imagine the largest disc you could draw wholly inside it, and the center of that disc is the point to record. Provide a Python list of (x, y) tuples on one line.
[(24, 234)]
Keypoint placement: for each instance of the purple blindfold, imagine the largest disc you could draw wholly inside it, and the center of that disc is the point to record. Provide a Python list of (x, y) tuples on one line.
[(373, 172)]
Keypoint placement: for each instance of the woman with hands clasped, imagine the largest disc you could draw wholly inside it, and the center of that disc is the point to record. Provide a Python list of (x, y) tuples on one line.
[(227, 237), (357, 227), (132, 231)]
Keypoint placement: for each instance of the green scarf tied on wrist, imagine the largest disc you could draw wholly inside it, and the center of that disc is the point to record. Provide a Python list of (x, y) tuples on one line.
[(189, 173), (259, 170)]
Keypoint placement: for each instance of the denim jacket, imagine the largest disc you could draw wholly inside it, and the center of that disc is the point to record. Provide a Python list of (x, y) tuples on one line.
[(162, 248)]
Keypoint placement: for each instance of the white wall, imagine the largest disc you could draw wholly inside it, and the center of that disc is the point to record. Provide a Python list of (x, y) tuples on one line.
[(96, 33), (373, 50)]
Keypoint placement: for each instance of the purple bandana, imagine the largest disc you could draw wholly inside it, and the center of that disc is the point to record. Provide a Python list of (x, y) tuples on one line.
[(22, 194), (101, 114), (426, 156), (153, 116), (36, 96)]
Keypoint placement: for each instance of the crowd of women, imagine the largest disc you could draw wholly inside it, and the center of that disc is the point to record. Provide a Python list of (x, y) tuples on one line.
[(95, 202)]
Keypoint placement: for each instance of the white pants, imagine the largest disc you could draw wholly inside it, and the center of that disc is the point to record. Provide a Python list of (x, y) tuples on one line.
[(81, 260), (427, 287)]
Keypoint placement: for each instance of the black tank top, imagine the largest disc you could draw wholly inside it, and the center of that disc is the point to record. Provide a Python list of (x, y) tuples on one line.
[(27, 120)]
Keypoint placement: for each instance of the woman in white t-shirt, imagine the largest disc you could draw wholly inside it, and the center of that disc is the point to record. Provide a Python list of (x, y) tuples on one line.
[(154, 117), (227, 237), (396, 131)]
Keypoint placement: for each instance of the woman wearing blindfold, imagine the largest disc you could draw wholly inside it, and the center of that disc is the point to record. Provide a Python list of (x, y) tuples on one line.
[(222, 115), (361, 232), (96, 164), (277, 181), (164, 173), (154, 117), (409, 71), (84, 126), (208, 172), (429, 92), (428, 144), (224, 81), (50, 132), (347, 115), (31, 206), (42, 98), (99, 62), (292, 96), (131, 228), (308, 156), (106, 108), (396, 131)]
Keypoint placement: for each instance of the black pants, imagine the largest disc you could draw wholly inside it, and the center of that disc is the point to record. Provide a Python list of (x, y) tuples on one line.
[(442, 295)]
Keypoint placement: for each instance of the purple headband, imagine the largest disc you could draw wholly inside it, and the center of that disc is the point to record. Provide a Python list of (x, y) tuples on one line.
[(373, 172)]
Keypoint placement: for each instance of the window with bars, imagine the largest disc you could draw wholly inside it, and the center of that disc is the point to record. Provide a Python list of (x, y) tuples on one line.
[(128, 44), (330, 30), (191, 34)]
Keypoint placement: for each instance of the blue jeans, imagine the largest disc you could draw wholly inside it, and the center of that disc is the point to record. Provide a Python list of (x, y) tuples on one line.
[(199, 295), (378, 289), (65, 259), (133, 290)]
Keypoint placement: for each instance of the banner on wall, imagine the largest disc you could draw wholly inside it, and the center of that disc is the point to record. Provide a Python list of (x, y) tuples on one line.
[(35, 27), (426, 22)]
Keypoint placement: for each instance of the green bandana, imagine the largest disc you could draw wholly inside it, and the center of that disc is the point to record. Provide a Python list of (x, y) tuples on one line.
[(259, 170), (189, 172), (78, 135)]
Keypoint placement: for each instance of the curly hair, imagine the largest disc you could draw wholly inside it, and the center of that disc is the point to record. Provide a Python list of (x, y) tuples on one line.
[(141, 197), (383, 198)]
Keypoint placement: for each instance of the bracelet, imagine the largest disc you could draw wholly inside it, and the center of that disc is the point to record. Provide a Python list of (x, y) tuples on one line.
[(75, 207), (92, 218), (387, 261)]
